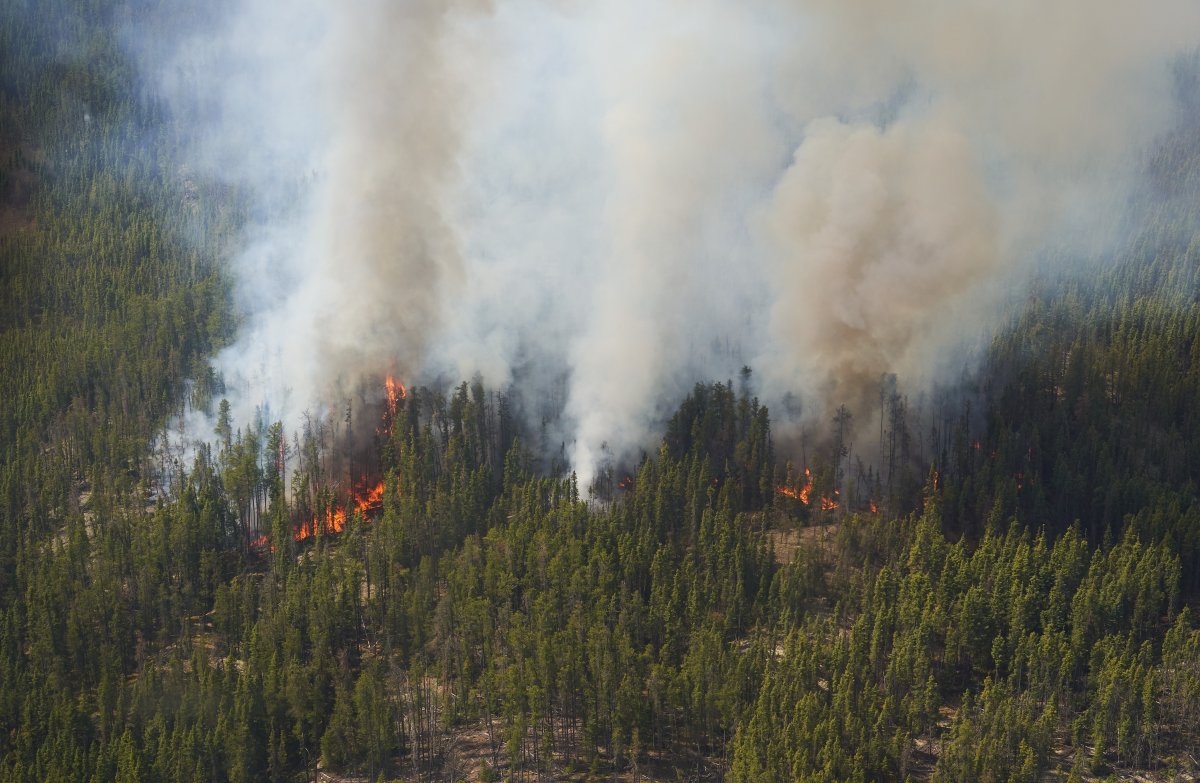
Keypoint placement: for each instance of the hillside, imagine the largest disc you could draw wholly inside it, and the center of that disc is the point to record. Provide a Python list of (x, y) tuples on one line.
[(1011, 594)]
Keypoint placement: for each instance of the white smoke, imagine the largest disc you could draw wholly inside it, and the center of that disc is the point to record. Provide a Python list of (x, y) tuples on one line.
[(872, 233), (637, 196)]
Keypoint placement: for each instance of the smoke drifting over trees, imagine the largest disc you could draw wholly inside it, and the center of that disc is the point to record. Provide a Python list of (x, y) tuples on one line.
[(635, 196)]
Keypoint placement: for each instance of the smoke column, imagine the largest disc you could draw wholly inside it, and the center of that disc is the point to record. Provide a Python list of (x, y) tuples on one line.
[(621, 199), (689, 145), (348, 124)]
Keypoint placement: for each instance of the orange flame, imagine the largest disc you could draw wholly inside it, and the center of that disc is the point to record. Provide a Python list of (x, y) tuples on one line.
[(801, 494), (366, 498), (395, 393), (334, 520), (828, 504), (371, 500), (873, 506), (788, 492)]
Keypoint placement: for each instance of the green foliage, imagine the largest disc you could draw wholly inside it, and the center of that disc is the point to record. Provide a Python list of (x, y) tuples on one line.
[(109, 300), (1029, 599)]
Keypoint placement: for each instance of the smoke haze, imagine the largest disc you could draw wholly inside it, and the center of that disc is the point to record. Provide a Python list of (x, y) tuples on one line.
[(608, 202)]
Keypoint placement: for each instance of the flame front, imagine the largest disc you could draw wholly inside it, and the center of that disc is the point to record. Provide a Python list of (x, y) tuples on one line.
[(802, 494), (831, 503), (334, 521), (364, 501), (395, 393), (366, 498), (371, 500)]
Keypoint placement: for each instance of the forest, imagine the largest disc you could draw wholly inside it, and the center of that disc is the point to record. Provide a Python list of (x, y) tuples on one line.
[(1012, 595)]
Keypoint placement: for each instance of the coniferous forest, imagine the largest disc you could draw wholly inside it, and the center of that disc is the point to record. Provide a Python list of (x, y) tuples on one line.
[(1012, 594)]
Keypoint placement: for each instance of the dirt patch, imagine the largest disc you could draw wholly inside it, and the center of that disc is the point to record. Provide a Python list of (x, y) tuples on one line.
[(786, 542), (466, 752)]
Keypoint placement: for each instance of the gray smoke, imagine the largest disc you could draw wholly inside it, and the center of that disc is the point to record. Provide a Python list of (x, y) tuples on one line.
[(348, 123), (873, 235), (637, 196)]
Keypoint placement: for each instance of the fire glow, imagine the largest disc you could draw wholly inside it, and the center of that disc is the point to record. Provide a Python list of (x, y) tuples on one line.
[(802, 494), (395, 393), (366, 500)]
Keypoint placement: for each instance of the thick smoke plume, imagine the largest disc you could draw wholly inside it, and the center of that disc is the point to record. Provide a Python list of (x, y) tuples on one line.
[(873, 234), (604, 203), (348, 122)]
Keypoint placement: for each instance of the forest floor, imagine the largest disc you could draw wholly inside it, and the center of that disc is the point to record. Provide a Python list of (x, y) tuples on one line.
[(786, 542), (468, 756)]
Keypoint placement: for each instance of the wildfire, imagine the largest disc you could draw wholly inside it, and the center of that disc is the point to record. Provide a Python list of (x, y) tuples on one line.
[(806, 490), (801, 494), (625, 483), (371, 500), (395, 393), (367, 498), (365, 501), (334, 521), (830, 504), (871, 504)]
